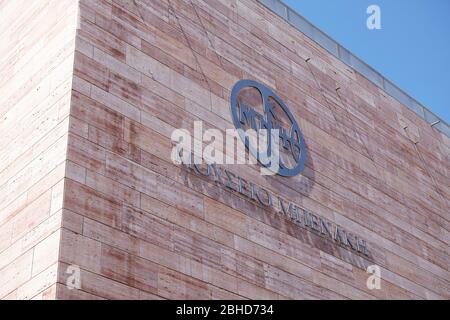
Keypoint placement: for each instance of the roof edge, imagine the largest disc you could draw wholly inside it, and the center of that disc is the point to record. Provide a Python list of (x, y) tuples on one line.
[(344, 55)]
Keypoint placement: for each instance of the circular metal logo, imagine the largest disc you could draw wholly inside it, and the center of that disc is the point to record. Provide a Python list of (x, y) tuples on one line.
[(254, 106)]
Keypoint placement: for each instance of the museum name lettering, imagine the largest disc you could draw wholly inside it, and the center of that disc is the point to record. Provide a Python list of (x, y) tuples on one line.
[(300, 216)]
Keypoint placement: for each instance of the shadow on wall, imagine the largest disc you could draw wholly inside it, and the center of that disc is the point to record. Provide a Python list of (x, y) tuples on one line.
[(301, 184), (307, 177)]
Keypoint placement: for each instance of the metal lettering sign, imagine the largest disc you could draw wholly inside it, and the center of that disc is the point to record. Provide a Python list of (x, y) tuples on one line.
[(283, 207), (255, 106)]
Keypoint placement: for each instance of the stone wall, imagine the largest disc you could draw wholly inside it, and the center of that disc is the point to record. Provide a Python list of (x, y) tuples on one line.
[(36, 72), (140, 227)]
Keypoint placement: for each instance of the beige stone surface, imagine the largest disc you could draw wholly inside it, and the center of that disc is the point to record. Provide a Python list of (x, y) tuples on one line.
[(37, 50)]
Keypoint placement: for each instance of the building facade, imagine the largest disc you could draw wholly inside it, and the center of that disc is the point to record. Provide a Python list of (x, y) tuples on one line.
[(93, 207)]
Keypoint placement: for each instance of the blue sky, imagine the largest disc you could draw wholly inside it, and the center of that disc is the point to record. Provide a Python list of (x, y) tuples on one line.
[(412, 49)]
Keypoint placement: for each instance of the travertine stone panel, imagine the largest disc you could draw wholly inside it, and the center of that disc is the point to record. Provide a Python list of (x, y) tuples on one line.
[(36, 74)]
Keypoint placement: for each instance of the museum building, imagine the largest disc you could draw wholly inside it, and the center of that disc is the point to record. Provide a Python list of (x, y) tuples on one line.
[(93, 205)]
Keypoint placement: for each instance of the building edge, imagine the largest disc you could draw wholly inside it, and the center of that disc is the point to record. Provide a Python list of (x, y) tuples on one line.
[(344, 55)]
